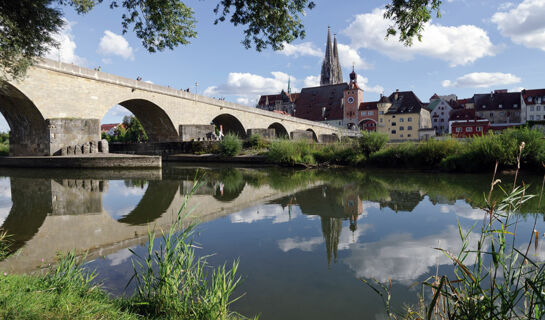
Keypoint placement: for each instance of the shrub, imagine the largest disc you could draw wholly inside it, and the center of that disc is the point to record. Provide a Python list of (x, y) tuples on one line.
[(372, 142), (399, 155), (256, 141), (291, 152), (231, 145), (340, 153)]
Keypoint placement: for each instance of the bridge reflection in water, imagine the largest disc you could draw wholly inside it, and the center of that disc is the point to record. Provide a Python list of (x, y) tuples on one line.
[(56, 211), (103, 212)]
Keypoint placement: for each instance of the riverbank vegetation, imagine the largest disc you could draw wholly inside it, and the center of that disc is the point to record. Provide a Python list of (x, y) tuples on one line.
[(4, 143), (494, 276), (372, 150), (170, 280)]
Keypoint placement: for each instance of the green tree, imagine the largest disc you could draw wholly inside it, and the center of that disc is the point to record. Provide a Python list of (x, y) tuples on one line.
[(409, 17), (134, 130)]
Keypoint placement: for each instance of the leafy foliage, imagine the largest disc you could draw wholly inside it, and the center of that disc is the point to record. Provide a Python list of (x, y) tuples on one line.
[(131, 131), (410, 17), (231, 145), (268, 22), (372, 142), (26, 29)]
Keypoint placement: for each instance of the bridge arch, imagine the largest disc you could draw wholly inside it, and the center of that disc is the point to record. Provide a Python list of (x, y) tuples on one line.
[(154, 119), (314, 136), (280, 130), (28, 128), (230, 124)]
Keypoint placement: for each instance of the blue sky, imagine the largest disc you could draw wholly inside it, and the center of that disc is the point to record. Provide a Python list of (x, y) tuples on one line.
[(476, 46)]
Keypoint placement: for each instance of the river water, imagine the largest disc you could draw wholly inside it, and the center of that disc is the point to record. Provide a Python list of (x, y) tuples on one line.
[(304, 238)]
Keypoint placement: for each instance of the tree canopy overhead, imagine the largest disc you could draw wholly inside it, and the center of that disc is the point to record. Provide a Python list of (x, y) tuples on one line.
[(27, 26)]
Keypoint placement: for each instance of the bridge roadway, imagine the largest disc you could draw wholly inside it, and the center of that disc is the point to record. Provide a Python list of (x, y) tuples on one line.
[(58, 105), (49, 214)]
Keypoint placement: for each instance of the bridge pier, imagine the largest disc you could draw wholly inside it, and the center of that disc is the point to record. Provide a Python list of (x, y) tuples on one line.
[(265, 133)]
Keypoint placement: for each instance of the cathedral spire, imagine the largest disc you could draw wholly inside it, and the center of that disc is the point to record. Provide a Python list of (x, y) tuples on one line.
[(338, 72), (331, 68)]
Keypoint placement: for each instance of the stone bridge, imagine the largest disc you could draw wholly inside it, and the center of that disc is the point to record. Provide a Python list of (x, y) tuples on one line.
[(60, 104)]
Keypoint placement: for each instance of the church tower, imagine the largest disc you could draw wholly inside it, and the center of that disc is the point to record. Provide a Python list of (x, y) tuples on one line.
[(331, 67)]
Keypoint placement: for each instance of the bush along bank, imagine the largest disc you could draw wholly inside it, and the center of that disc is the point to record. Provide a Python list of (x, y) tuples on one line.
[(171, 282), (371, 150)]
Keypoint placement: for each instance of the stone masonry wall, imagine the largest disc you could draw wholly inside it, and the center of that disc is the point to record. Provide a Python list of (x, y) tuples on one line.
[(71, 132)]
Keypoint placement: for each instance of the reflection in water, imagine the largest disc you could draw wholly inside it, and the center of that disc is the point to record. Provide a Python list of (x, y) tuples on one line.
[(5, 199), (284, 225)]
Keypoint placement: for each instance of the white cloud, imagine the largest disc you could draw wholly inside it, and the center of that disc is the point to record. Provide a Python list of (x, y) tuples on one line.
[(312, 81), (523, 24), (301, 49), (482, 80), (402, 258), (300, 244), (66, 52), (458, 45), (114, 44), (120, 256), (248, 83), (272, 212), (363, 82), (349, 56)]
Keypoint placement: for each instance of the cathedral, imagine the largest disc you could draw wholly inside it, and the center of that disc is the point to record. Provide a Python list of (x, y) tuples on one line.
[(333, 102), (331, 67)]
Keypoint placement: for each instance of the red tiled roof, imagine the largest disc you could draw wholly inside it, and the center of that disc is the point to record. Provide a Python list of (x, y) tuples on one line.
[(107, 127), (464, 114), (311, 101), (283, 97), (534, 93), (368, 105)]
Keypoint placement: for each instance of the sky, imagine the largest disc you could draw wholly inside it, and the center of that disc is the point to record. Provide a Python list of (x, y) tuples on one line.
[(474, 47)]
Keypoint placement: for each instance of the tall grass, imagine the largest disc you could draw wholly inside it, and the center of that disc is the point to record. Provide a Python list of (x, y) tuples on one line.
[(290, 152), (4, 245), (172, 282), (494, 278)]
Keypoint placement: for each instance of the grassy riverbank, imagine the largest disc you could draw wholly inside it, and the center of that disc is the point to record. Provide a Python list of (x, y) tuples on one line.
[(372, 150), (170, 280)]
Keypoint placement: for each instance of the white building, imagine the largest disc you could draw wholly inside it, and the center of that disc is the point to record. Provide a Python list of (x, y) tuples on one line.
[(534, 103), (440, 110)]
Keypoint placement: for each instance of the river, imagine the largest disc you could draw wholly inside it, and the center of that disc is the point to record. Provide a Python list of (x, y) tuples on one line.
[(303, 238)]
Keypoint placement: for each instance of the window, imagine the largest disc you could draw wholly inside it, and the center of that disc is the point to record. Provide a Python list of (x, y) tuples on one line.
[(401, 128), (409, 128), (469, 129), (531, 108), (401, 119), (491, 114), (363, 113), (515, 106), (531, 117), (370, 113), (409, 135), (484, 107), (393, 132), (458, 129), (479, 129), (409, 119), (401, 135), (393, 123), (380, 120), (381, 112), (442, 120), (500, 106), (442, 113), (538, 108), (434, 119)]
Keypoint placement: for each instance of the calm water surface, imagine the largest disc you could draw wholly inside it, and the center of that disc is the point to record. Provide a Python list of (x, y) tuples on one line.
[(303, 238)]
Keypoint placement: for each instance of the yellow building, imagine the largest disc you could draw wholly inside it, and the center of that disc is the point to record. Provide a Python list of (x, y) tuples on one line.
[(402, 117)]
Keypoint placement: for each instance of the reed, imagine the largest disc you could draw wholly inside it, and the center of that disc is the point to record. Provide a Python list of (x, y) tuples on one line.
[(493, 278)]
